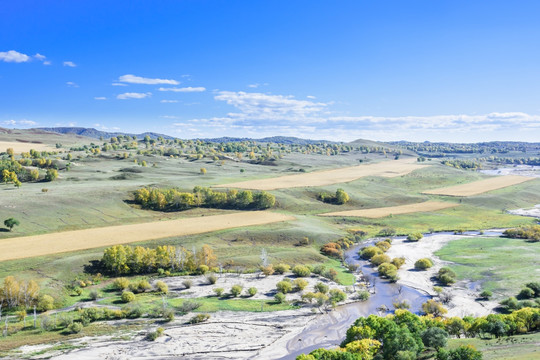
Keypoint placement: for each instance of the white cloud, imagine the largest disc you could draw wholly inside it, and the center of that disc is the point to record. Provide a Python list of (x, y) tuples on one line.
[(311, 97), (69, 64), (100, 98), (254, 86), (47, 62), (184, 89), (72, 84), (105, 128), (169, 117), (133, 95), (22, 122), (14, 56), (118, 84), (40, 57), (168, 101), (132, 79)]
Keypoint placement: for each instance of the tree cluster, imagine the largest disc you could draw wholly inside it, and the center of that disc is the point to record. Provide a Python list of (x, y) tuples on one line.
[(531, 233), (339, 198)]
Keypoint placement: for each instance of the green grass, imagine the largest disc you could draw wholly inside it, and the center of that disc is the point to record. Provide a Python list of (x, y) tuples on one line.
[(501, 265), (345, 277), (213, 304), (519, 347)]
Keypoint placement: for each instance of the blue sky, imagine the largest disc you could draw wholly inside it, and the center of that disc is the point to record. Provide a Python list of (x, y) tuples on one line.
[(339, 70)]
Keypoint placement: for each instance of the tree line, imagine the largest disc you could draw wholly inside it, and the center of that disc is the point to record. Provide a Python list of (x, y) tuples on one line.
[(176, 200)]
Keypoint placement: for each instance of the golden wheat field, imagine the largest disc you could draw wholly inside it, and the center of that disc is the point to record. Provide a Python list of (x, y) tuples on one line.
[(479, 187), (394, 210), (46, 244), (391, 168)]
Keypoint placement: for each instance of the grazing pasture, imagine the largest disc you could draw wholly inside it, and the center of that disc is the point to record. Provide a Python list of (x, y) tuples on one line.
[(479, 187), (375, 213), (328, 177), (20, 147), (46, 244)]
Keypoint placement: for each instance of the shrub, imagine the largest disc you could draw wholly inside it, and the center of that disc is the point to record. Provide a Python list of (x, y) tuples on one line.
[(153, 335), (387, 231), (363, 295), (526, 293), (486, 294), (446, 276), (142, 286), (379, 259), (121, 283), (47, 323), (236, 290), (187, 284), (321, 287), (132, 311), (387, 270), (267, 270), (281, 268), (301, 271), (432, 307), (337, 295), (284, 286), (202, 269), (189, 306), (252, 291), (415, 237), (368, 252), (401, 304), (331, 274), (162, 287), (75, 328), (94, 294), (534, 286), (128, 296), (398, 262), (219, 291), (199, 318), (211, 278), (383, 245), (300, 284), (45, 303), (168, 314), (280, 298), (332, 249), (423, 264), (319, 269)]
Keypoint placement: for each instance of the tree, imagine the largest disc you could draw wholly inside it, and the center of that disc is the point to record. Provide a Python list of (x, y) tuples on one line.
[(11, 222), (341, 197), (45, 303), (51, 175)]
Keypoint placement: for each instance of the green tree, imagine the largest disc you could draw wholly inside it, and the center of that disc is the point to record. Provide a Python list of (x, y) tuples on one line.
[(51, 175), (11, 222), (435, 338)]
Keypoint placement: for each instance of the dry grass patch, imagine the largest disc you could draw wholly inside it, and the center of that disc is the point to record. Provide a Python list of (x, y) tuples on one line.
[(394, 210), (328, 177), (479, 187), (19, 147), (38, 245)]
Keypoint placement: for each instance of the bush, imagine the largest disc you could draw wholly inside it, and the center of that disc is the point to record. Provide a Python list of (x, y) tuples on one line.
[(321, 287), (45, 303), (368, 252), (75, 328), (252, 291), (47, 323), (189, 306), (281, 268), (236, 290), (363, 295), (383, 245), (415, 237), (267, 270), (534, 286), (153, 335), (446, 276), (284, 286), (94, 294), (143, 286), (162, 287), (219, 291), (128, 296), (187, 284), (199, 318), (387, 270), (337, 295), (202, 269), (398, 262), (319, 269), (280, 298), (301, 271), (432, 307), (211, 278), (132, 311), (423, 264), (331, 274), (387, 231), (486, 294), (379, 259), (300, 284), (526, 293), (121, 283)]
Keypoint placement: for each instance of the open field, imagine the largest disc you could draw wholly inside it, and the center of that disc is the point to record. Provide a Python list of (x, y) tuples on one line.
[(375, 213), (517, 347), (38, 245), (479, 187), (329, 177), (501, 265), (19, 147)]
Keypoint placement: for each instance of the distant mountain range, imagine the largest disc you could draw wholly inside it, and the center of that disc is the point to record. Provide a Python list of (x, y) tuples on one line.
[(97, 134)]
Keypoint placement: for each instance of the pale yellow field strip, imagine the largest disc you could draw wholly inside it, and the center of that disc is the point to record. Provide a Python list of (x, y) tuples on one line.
[(38, 245), (479, 187), (394, 210), (19, 147), (391, 168)]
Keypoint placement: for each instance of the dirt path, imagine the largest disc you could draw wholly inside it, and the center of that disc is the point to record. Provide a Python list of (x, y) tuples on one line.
[(394, 210), (38, 245), (391, 168)]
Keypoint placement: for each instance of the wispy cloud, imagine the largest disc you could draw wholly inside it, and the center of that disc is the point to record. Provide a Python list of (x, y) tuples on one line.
[(22, 122), (168, 101), (100, 98), (72, 84), (14, 56), (118, 84), (69, 64), (133, 95), (105, 128), (184, 89), (132, 79)]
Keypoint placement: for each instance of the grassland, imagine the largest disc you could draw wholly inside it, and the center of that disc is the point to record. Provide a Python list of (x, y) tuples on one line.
[(427, 206), (479, 187), (19, 147), (501, 265), (46, 244), (519, 347), (330, 177)]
